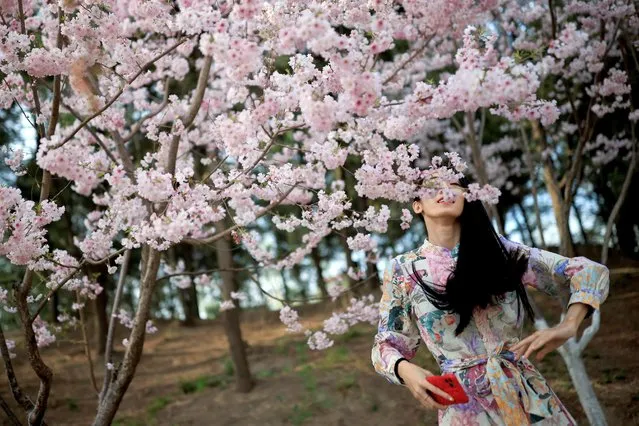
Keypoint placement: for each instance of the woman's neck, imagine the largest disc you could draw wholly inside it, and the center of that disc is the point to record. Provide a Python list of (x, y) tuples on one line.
[(443, 233)]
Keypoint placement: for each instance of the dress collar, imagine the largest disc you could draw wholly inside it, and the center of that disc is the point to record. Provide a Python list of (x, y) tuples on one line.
[(429, 247)]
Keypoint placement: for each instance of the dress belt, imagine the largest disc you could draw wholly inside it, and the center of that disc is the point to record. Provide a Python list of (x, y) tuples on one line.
[(502, 388)]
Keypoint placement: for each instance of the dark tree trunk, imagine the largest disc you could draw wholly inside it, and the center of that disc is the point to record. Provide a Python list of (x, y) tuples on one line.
[(231, 317), (102, 318), (529, 227), (317, 261), (584, 234), (303, 286), (349, 263), (54, 310), (185, 299), (522, 231), (373, 280), (287, 291)]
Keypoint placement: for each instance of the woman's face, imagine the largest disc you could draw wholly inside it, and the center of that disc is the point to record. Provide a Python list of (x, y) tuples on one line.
[(436, 207)]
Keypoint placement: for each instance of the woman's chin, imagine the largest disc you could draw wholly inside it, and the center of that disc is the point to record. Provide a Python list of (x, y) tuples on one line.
[(451, 212)]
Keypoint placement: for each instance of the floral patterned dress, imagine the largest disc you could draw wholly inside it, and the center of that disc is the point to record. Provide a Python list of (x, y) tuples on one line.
[(501, 390)]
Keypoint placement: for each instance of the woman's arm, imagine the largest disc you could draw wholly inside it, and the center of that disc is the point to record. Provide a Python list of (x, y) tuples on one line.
[(397, 340), (397, 335), (548, 272)]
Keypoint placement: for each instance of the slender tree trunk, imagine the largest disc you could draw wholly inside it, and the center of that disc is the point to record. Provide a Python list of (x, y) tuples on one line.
[(373, 272), (188, 296), (101, 317), (561, 213), (317, 261), (529, 228), (231, 317), (522, 231), (194, 306), (571, 352), (285, 288), (533, 183), (188, 320), (124, 376), (54, 311), (303, 286), (622, 197), (584, 234), (350, 263)]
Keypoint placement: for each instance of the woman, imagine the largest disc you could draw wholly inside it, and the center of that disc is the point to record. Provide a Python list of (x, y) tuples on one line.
[(462, 293)]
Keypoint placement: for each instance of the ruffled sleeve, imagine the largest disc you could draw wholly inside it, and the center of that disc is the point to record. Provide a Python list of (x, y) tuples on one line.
[(397, 335), (588, 280)]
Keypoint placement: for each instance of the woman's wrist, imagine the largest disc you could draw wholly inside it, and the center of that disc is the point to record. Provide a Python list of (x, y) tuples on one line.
[(575, 315), (401, 367)]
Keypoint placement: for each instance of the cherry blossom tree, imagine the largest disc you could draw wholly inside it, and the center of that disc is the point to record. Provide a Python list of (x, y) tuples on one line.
[(284, 94)]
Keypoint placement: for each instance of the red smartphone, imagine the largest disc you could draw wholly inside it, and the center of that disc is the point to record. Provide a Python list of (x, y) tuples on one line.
[(449, 384)]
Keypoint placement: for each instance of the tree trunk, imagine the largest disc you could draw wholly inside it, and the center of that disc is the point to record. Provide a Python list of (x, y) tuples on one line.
[(571, 353), (533, 184), (350, 263), (561, 213), (373, 272), (303, 286), (101, 317), (622, 197), (188, 296), (185, 299), (231, 317), (525, 236), (287, 291), (317, 261), (529, 228), (116, 390), (584, 234), (54, 311)]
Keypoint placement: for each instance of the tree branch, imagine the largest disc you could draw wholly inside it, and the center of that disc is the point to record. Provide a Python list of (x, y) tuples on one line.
[(85, 340), (20, 397), (109, 342), (118, 94), (221, 234), (192, 112)]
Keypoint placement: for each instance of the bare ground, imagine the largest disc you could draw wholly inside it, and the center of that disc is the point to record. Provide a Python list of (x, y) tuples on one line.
[(185, 376)]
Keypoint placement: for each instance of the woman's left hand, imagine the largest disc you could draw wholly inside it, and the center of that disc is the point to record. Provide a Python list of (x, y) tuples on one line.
[(544, 341)]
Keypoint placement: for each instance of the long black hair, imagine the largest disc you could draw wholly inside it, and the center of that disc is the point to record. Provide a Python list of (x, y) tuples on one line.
[(485, 269)]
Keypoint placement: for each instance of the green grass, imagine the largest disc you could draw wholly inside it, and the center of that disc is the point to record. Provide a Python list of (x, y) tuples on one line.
[(352, 333), (300, 415), (336, 356), (72, 405), (130, 421), (265, 374), (227, 367), (203, 382), (308, 378), (157, 404), (301, 352), (347, 382)]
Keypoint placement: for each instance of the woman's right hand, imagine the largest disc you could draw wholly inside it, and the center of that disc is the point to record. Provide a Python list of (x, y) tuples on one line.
[(415, 380)]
